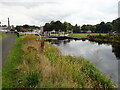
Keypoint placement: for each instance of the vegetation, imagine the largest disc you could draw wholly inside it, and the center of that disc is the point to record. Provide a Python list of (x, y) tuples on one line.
[(76, 29), (106, 38), (98, 28), (34, 63), (116, 25), (8, 70), (86, 28), (0, 79), (113, 40), (57, 26), (42, 37), (2, 35), (25, 28), (102, 27), (85, 34)]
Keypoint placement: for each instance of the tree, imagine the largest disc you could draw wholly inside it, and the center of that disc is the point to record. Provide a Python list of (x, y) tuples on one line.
[(68, 26), (93, 28), (76, 29), (109, 27), (85, 28), (47, 27), (18, 28), (97, 28), (103, 27), (26, 26), (116, 25), (59, 26), (56, 25)]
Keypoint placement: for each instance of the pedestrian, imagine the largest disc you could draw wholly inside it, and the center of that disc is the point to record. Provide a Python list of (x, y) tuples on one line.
[(17, 34)]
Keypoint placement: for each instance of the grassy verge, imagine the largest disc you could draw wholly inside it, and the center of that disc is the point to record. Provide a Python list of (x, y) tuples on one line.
[(8, 71), (0, 79), (42, 37), (21, 34), (2, 35), (37, 64), (77, 72), (84, 34), (106, 38)]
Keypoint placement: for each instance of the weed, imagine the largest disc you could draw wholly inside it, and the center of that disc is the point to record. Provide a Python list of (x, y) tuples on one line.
[(50, 69)]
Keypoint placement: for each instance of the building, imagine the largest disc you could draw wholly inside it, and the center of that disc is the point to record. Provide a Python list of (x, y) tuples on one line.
[(5, 27), (9, 27)]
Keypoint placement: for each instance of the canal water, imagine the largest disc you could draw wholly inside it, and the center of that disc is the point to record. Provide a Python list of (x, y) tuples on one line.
[(104, 56)]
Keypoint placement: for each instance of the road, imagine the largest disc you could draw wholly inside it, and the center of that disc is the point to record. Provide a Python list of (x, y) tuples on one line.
[(5, 46)]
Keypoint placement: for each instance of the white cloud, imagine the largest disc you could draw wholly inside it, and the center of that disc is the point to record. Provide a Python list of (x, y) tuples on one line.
[(39, 12)]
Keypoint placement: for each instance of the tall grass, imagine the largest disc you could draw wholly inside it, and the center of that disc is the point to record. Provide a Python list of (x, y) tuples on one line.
[(49, 69), (2, 35), (81, 71)]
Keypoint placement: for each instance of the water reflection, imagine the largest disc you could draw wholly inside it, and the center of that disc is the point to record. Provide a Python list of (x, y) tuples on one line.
[(59, 42), (116, 51), (104, 56), (115, 48)]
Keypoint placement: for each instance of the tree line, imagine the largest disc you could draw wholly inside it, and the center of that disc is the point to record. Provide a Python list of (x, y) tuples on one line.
[(25, 28), (102, 27)]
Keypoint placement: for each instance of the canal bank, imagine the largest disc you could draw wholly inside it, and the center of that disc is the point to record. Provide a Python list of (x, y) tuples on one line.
[(104, 56), (45, 67)]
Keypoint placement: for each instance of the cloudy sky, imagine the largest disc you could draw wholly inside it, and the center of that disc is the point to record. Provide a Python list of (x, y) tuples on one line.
[(38, 12)]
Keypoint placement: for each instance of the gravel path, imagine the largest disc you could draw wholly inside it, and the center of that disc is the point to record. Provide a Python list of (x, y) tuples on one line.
[(5, 46)]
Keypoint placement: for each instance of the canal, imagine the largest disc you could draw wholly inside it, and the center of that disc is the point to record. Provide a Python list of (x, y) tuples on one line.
[(104, 56)]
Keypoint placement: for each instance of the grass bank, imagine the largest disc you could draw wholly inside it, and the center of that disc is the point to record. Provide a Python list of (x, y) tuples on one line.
[(41, 65), (84, 34), (2, 35), (8, 70), (106, 38), (42, 37)]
